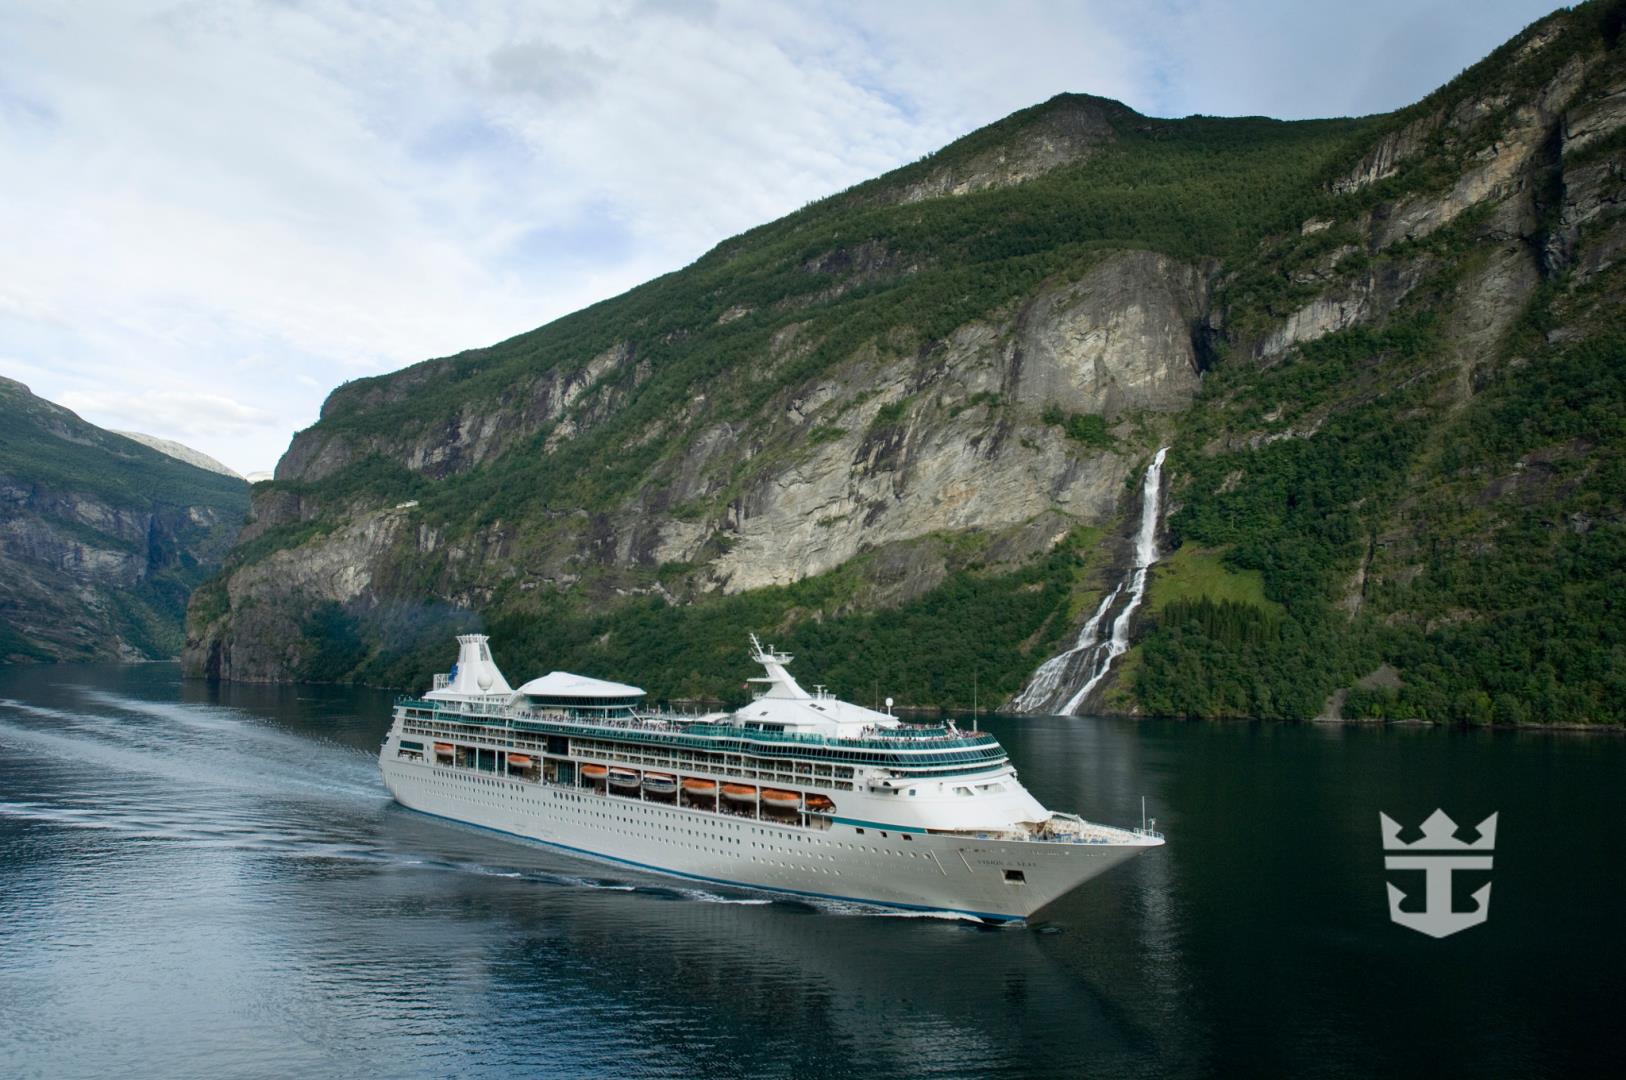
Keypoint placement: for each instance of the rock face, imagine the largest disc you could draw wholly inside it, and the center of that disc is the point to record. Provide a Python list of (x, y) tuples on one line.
[(1120, 339), (336, 569), (101, 538)]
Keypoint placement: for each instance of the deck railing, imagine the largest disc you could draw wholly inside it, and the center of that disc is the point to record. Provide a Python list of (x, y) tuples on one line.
[(906, 737)]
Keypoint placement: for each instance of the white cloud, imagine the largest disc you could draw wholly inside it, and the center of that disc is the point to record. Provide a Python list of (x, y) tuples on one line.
[(191, 414), (215, 212)]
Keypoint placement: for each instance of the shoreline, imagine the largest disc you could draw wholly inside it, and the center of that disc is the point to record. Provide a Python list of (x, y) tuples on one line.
[(925, 711)]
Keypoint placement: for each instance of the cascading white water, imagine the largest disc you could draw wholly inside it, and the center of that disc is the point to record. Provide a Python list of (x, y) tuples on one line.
[(1090, 659), (1048, 678)]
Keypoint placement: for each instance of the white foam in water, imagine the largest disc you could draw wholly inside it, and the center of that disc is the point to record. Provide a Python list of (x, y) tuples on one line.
[(713, 898), (350, 768), (945, 916)]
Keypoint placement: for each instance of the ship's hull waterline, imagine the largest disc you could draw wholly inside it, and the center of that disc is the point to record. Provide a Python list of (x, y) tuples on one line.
[(868, 864)]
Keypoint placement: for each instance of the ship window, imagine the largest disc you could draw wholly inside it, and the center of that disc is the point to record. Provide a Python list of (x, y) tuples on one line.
[(1015, 877), (860, 832)]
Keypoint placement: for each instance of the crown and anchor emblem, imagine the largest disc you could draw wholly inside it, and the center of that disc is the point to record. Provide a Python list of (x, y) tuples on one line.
[(1447, 855)]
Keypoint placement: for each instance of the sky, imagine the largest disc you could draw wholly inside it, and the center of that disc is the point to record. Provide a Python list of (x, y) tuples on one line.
[(212, 213)]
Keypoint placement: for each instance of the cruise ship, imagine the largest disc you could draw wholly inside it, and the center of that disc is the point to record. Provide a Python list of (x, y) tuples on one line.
[(797, 792)]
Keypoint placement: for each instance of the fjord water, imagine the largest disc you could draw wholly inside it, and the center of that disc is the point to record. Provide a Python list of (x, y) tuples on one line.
[(210, 881)]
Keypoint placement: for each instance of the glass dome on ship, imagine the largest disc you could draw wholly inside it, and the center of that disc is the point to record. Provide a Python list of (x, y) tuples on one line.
[(796, 792)]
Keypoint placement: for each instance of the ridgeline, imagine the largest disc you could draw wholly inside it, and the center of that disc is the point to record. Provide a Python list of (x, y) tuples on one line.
[(900, 431)]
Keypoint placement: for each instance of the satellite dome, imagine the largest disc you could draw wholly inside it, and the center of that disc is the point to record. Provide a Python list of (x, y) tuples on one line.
[(485, 678)]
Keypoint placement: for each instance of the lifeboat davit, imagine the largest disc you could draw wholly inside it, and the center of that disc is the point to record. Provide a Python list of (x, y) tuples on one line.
[(739, 792), (781, 800), (660, 783), (595, 772), (695, 786), (820, 804), (624, 778)]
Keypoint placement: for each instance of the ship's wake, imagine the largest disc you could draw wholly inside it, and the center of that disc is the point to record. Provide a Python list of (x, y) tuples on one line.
[(217, 779)]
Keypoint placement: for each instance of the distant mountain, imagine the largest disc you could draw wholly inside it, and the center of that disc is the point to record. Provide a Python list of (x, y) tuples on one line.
[(181, 452), (102, 539), (903, 430)]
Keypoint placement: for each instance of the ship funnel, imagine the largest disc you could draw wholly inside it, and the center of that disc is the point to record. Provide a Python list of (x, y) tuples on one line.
[(476, 673)]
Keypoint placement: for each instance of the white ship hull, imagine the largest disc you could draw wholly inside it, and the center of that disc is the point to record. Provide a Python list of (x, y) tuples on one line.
[(869, 862)]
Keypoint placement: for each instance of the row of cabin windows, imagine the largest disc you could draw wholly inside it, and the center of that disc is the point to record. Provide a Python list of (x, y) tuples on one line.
[(733, 764)]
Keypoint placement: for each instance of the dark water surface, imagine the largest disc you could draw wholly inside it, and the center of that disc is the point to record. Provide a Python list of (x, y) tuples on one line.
[(211, 882)]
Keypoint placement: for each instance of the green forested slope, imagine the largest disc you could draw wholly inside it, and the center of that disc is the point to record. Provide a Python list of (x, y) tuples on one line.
[(1406, 438)]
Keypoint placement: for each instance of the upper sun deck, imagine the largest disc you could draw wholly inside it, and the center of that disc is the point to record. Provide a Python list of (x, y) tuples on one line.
[(783, 720)]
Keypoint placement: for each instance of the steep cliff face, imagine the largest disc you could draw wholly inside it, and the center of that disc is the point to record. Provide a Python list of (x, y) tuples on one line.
[(878, 453), (101, 538), (1417, 473), (902, 427)]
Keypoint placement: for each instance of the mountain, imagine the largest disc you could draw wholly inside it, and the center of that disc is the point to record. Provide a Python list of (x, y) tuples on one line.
[(101, 539), (903, 430), (181, 452)]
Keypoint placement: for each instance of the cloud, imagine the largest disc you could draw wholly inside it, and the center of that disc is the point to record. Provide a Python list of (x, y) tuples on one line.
[(343, 188), (192, 414), (545, 71)]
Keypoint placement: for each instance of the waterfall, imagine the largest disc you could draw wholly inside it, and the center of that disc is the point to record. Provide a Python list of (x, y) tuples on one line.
[(1054, 672), (1088, 661)]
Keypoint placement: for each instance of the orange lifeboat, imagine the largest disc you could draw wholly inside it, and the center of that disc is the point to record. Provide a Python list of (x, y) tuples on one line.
[(781, 800), (694, 785), (595, 772), (443, 748), (739, 792), (820, 804), (519, 761)]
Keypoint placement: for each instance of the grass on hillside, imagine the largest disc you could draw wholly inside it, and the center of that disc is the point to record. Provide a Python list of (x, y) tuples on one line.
[(1194, 572)]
